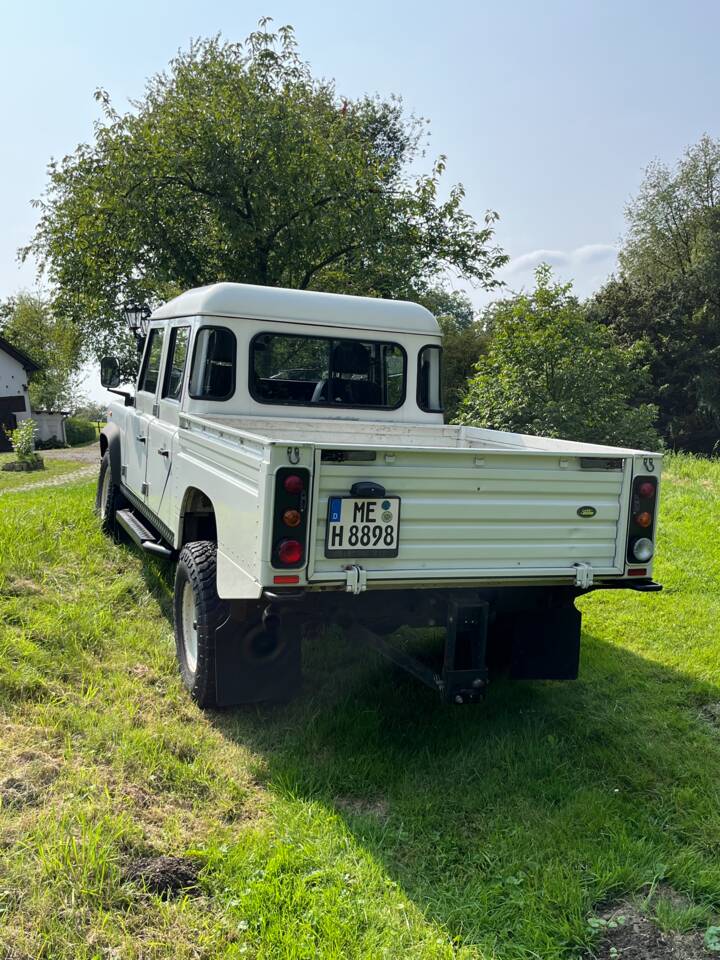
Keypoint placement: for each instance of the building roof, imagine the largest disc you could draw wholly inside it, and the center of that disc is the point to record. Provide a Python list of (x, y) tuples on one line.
[(22, 358), (300, 306)]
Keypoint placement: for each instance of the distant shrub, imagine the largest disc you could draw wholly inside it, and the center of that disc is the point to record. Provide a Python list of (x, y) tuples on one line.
[(22, 441), (79, 431), (52, 444)]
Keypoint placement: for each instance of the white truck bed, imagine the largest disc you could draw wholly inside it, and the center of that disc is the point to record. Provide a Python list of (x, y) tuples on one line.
[(476, 505), (360, 433)]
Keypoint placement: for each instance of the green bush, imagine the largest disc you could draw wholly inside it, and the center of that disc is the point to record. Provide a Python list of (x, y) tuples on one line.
[(52, 444), (79, 431), (22, 441)]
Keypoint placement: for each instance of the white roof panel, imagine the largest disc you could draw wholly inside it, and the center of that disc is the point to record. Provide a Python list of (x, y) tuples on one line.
[(300, 306)]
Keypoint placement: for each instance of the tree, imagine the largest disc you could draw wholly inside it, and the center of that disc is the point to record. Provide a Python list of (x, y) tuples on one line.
[(464, 341), (89, 410), (29, 323), (668, 293), (238, 165), (550, 370)]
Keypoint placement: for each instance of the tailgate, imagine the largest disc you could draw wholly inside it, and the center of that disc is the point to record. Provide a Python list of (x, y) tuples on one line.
[(488, 515)]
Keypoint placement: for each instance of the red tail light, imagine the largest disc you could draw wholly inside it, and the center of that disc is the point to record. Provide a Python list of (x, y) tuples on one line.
[(647, 490), (290, 551), (293, 483)]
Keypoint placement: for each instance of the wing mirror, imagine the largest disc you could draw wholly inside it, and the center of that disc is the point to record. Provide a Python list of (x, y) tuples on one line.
[(110, 372)]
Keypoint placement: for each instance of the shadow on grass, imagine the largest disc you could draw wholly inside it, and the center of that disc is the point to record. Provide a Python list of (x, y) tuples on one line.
[(509, 821)]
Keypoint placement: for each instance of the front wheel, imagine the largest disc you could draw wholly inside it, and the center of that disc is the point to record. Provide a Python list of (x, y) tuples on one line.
[(108, 499)]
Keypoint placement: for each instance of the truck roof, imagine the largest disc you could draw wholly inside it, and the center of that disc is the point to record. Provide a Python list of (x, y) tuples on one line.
[(299, 306)]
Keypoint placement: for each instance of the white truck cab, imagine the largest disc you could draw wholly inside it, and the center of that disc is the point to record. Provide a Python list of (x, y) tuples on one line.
[(288, 449)]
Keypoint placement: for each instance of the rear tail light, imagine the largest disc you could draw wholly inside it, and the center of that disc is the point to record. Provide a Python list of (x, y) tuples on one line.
[(290, 552), (293, 483), (642, 549), (642, 520), (290, 517)]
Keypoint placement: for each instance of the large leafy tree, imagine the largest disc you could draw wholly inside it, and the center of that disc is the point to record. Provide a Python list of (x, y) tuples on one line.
[(238, 165), (551, 371), (668, 293), (28, 322)]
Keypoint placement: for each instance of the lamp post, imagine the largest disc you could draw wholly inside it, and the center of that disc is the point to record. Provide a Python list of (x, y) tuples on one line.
[(136, 317)]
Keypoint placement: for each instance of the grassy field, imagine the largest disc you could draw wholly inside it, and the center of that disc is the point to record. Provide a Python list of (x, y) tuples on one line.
[(53, 468), (366, 819)]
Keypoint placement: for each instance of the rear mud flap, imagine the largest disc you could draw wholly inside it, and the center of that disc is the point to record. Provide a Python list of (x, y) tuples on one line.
[(546, 644), (257, 660)]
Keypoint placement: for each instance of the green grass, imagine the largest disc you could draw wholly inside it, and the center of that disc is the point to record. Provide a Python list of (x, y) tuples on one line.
[(366, 819), (53, 468)]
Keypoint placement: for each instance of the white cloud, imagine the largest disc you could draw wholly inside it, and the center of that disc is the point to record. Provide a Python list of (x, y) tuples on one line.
[(591, 253)]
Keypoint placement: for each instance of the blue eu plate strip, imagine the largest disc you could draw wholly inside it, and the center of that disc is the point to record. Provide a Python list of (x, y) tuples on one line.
[(335, 508)]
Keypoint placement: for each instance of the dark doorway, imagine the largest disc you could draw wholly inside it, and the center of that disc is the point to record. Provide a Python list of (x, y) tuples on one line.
[(9, 406)]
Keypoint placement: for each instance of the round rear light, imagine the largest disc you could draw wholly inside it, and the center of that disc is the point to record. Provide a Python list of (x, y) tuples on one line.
[(292, 518), (647, 490), (290, 551), (643, 519), (293, 483), (642, 549)]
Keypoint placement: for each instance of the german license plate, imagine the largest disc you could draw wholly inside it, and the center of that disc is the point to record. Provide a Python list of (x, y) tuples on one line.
[(361, 527)]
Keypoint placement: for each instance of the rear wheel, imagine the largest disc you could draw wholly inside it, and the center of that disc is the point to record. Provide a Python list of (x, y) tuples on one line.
[(230, 652), (198, 612)]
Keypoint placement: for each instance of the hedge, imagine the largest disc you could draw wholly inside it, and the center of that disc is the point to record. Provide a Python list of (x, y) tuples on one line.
[(79, 431)]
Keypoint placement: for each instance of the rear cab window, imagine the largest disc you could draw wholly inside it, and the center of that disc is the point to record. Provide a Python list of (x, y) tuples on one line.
[(212, 375), (301, 370), (429, 392), (175, 363)]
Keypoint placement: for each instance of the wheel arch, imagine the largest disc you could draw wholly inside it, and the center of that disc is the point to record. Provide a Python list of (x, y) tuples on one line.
[(197, 517), (110, 442)]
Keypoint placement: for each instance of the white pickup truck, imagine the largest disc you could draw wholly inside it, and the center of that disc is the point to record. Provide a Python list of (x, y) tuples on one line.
[(288, 449)]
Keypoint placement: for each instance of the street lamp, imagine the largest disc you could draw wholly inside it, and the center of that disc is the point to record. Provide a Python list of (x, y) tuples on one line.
[(136, 318)]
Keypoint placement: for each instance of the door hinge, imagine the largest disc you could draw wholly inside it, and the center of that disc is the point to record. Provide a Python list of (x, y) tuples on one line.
[(583, 575), (144, 487), (355, 579)]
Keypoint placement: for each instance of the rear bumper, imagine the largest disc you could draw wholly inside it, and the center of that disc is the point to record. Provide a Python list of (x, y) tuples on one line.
[(644, 585)]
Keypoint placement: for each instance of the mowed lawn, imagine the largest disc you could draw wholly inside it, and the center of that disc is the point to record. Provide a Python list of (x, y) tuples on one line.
[(21, 478), (366, 819)]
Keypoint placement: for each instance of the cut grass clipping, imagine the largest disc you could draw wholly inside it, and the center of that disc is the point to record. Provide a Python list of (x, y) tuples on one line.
[(366, 819)]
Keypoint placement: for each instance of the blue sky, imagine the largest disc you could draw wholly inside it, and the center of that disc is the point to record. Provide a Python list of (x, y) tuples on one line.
[(548, 112)]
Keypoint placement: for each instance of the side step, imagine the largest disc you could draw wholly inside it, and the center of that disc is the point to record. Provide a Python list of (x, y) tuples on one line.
[(139, 533)]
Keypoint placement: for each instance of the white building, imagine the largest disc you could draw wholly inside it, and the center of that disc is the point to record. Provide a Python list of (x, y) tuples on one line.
[(16, 368)]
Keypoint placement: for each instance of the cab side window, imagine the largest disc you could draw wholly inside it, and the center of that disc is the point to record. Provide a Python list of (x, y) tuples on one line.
[(150, 372), (212, 376), (175, 364)]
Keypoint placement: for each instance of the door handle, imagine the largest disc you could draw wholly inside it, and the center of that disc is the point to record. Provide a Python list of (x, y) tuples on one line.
[(141, 439), (164, 452)]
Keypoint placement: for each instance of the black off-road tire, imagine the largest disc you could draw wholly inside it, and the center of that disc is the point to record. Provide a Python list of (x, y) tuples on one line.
[(109, 498), (196, 576)]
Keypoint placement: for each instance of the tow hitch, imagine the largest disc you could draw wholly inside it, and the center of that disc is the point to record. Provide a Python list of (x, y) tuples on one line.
[(463, 677)]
